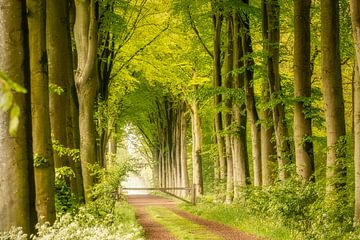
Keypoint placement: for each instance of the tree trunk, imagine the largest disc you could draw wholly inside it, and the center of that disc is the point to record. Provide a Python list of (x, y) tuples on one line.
[(228, 67), (333, 95), (86, 84), (240, 154), (356, 120), (268, 150), (302, 87), (282, 144), (183, 149), (42, 148), (355, 16), (197, 147), (255, 126), (217, 82), (16, 152), (60, 70)]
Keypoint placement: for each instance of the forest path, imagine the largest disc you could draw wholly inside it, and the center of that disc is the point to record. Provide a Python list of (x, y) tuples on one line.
[(162, 220)]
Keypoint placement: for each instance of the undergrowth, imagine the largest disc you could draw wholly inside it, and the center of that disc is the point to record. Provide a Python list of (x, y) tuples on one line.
[(105, 218)]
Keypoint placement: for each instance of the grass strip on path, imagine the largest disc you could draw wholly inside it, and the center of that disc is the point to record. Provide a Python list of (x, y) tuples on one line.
[(241, 219), (180, 227)]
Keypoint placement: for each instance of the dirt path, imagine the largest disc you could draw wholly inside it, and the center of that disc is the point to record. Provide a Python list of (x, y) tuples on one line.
[(155, 231)]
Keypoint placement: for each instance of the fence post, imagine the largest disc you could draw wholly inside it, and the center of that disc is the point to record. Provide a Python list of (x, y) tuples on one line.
[(193, 194)]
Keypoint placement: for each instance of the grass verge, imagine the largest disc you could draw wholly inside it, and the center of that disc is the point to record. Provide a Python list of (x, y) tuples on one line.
[(180, 227), (239, 218)]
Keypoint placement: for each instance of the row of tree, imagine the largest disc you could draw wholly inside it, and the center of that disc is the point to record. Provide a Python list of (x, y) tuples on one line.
[(65, 55), (238, 58)]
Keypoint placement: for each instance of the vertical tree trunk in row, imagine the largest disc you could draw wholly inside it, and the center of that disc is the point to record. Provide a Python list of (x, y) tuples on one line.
[(302, 73), (250, 102), (333, 95), (73, 114), (42, 148), (240, 156), (16, 152), (355, 16), (228, 67), (217, 21), (267, 130), (282, 144), (183, 148), (356, 119), (60, 70), (85, 31), (197, 147)]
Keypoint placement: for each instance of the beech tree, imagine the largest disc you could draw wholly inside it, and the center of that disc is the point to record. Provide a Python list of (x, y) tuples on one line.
[(355, 15), (86, 80), (333, 95), (16, 165), (42, 148), (302, 78)]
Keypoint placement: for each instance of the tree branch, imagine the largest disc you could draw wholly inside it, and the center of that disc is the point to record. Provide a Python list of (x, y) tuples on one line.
[(193, 26)]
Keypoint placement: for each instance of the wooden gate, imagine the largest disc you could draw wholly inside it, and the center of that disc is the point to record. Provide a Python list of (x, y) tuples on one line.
[(166, 189)]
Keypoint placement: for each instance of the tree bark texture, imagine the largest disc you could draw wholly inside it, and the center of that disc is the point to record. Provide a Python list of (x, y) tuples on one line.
[(333, 95), (240, 154), (282, 144), (217, 82), (42, 147), (16, 152), (60, 70), (85, 31), (253, 116), (228, 67), (268, 148), (304, 152), (197, 148), (355, 16)]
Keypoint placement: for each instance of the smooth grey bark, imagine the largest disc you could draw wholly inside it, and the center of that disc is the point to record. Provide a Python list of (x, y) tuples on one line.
[(268, 148), (304, 152), (240, 153), (355, 16), (217, 82), (16, 152), (85, 32), (42, 148), (333, 96), (278, 111), (228, 67), (197, 147)]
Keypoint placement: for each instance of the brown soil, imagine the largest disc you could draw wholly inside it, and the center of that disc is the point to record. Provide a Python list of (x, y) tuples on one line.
[(155, 231)]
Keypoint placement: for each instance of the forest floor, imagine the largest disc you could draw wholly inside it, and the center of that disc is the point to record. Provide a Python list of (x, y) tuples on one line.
[(161, 220)]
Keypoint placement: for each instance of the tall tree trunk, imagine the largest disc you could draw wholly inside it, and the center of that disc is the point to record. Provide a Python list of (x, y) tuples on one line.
[(60, 70), (255, 126), (240, 154), (267, 130), (85, 31), (16, 152), (42, 148), (197, 147), (355, 16), (333, 95), (302, 72), (217, 82), (282, 144), (183, 149), (228, 67), (356, 120)]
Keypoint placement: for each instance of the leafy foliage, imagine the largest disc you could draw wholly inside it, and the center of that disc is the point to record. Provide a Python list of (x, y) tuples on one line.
[(7, 103)]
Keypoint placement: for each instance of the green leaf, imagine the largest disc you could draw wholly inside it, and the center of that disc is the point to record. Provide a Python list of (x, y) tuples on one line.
[(14, 119), (6, 101)]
